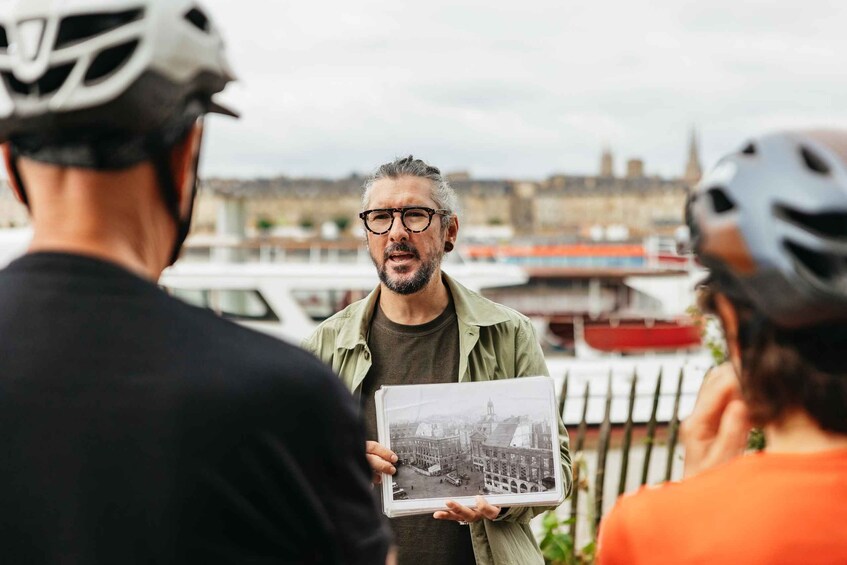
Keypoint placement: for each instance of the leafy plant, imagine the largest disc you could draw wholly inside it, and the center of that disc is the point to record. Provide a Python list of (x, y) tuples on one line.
[(342, 222), (264, 224), (711, 334), (557, 544)]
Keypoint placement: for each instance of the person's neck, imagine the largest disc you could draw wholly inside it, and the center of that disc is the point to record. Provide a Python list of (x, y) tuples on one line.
[(797, 432), (123, 253), (418, 308), (116, 216)]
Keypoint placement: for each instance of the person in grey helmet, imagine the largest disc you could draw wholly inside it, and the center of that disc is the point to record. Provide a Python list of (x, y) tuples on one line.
[(135, 428), (770, 224)]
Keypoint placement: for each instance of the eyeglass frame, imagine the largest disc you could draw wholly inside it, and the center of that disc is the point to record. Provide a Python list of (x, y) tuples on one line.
[(402, 211)]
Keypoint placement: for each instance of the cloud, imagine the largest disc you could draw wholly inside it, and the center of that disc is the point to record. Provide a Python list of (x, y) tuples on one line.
[(519, 91)]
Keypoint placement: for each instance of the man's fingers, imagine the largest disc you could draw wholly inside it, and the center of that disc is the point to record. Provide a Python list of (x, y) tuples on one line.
[(459, 513), (488, 510), (445, 515), (380, 458), (374, 448), (380, 465)]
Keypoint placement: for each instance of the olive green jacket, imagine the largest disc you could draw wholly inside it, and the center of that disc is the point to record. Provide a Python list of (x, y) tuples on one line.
[(495, 342)]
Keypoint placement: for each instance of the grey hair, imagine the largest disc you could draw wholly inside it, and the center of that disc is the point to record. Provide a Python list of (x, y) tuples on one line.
[(442, 193)]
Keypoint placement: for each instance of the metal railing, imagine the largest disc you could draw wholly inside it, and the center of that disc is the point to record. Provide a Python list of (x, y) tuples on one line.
[(586, 514)]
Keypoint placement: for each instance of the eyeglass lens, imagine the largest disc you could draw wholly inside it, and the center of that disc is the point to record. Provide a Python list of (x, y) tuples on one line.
[(415, 219)]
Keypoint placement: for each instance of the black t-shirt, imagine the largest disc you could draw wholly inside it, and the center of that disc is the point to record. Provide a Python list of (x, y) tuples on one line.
[(137, 429), (426, 353)]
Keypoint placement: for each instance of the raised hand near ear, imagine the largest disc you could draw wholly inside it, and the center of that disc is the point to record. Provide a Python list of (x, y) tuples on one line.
[(716, 431)]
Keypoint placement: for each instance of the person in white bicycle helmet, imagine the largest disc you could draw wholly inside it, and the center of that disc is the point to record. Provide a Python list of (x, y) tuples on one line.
[(135, 428), (770, 224), (108, 87)]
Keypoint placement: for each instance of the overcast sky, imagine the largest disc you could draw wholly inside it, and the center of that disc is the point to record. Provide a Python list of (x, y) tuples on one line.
[(518, 89), (529, 397)]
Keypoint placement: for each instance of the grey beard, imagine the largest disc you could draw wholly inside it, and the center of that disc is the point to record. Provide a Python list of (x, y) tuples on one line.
[(413, 285)]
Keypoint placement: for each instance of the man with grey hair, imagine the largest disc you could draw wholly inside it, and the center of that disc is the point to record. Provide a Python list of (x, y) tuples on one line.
[(421, 326)]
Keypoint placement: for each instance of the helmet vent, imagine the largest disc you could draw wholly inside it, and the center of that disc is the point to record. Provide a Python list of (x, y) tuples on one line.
[(721, 203), (749, 149), (824, 266), (198, 19), (813, 161), (73, 29), (49, 83), (830, 224), (110, 60), (4, 40)]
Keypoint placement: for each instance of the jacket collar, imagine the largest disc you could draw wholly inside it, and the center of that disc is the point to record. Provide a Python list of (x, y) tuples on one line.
[(471, 310)]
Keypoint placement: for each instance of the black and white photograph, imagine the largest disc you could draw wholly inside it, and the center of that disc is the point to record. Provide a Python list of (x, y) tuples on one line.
[(455, 441)]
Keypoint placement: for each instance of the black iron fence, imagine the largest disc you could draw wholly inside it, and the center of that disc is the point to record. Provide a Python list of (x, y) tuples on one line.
[(601, 428)]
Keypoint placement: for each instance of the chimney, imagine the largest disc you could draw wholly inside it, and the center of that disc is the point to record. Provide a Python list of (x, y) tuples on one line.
[(634, 169)]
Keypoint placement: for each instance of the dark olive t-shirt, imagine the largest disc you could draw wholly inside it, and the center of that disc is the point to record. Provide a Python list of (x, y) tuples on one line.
[(427, 353)]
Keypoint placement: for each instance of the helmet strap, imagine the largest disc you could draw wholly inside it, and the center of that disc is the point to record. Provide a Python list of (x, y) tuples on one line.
[(165, 173), (10, 156)]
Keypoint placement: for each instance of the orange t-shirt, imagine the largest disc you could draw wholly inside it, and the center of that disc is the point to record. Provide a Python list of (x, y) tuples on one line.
[(763, 508)]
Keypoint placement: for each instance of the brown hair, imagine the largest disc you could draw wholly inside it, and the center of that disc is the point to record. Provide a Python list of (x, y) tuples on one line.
[(787, 369)]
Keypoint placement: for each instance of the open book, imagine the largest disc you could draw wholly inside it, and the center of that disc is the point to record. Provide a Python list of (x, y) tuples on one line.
[(454, 441)]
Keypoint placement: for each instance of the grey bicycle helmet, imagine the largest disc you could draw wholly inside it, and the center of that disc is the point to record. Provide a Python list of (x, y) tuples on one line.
[(770, 222)]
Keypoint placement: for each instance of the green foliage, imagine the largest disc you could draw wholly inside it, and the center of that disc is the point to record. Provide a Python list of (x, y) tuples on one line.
[(342, 222), (307, 223), (495, 221), (557, 544), (710, 333), (756, 440), (263, 224)]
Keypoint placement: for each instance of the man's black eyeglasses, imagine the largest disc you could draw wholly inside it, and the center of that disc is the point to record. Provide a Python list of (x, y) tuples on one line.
[(415, 218)]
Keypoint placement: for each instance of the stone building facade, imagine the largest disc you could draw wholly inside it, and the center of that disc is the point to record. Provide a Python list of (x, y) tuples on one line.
[(402, 437), (561, 205), (437, 455), (514, 461)]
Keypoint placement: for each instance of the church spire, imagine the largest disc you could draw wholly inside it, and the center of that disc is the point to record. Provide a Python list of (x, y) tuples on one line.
[(607, 165), (693, 171)]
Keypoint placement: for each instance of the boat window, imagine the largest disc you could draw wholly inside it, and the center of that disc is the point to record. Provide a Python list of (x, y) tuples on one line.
[(194, 296), (321, 304), (237, 304), (232, 304)]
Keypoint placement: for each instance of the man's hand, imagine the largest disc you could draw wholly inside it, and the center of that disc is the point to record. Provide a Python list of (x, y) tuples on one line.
[(716, 431), (465, 515), (381, 460)]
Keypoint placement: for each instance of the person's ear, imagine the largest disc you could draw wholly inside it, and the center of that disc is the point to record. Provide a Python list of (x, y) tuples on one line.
[(729, 320), (185, 157), (451, 235)]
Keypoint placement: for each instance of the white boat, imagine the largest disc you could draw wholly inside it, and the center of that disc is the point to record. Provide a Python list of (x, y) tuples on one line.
[(289, 299), (13, 243)]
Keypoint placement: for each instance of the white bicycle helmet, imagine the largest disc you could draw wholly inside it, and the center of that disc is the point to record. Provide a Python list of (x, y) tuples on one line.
[(106, 84), (77, 73), (770, 221)]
